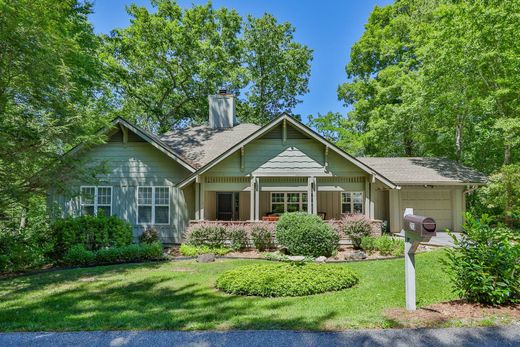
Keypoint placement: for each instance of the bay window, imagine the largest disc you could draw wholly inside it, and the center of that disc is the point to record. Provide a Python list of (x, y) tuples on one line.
[(153, 205)]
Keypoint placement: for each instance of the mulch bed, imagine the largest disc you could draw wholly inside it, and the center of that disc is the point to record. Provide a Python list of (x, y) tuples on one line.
[(438, 315)]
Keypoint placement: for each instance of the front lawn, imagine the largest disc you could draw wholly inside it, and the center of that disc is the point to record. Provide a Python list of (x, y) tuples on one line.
[(181, 295)]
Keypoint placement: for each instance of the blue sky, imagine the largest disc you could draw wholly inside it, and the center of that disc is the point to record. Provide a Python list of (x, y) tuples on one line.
[(328, 27)]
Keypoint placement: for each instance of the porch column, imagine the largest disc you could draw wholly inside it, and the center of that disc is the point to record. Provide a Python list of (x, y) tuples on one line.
[(312, 195), (394, 211), (367, 198), (202, 195), (197, 200), (257, 198), (372, 197)]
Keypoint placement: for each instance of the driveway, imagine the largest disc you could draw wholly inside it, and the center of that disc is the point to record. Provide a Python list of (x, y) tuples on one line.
[(465, 337)]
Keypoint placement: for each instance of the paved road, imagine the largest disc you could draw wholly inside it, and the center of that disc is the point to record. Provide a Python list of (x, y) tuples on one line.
[(466, 337)]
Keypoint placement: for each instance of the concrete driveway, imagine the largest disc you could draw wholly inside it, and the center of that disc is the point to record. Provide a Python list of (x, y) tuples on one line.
[(463, 337)]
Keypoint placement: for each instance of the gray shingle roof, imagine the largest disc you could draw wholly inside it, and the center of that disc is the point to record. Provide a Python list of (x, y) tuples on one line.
[(420, 170), (201, 144)]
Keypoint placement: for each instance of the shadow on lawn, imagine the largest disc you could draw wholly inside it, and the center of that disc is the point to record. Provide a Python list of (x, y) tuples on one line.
[(92, 299)]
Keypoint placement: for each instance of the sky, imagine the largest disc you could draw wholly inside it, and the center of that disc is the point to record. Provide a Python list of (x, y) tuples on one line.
[(329, 28)]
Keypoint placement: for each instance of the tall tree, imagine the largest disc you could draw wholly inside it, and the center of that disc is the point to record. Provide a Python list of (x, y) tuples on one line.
[(166, 63), (49, 78), (437, 78), (277, 68)]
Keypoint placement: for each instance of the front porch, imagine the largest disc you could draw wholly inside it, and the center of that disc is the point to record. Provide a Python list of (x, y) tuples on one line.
[(256, 198)]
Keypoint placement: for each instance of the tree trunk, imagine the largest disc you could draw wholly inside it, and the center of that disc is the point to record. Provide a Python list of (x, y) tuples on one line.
[(458, 138), (507, 154)]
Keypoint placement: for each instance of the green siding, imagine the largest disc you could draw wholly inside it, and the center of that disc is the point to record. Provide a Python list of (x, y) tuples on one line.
[(297, 157), (138, 164)]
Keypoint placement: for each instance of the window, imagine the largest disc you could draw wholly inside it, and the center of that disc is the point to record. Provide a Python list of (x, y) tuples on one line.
[(352, 202), (95, 199), (153, 205), (288, 202)]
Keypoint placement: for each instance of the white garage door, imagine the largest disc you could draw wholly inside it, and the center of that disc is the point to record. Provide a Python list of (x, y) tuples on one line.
[(435, 203)]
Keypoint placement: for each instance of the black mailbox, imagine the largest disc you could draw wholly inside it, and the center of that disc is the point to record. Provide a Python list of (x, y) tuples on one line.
[(420, 225)]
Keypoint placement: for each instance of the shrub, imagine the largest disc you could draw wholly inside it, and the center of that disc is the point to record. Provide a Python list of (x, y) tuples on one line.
[(193, 251), (212, 235), (286, 279), (262, 238), (356, 226), (306, 234), (150, 235), (238, 237), (484, 265), (79, 255), (93, 232), (386, 245)]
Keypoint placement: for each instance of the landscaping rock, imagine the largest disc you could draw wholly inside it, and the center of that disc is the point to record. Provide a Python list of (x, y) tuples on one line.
[(356, 255), (296, 258), (321, 259), (206, 258)]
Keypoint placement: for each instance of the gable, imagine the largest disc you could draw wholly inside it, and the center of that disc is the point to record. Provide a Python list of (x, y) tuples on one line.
[(270, 155)]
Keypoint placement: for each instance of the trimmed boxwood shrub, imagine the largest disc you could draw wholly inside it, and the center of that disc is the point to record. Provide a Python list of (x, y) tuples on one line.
[(285, 279), (79, 255), (306, 234), (93, 232), (484, 265)]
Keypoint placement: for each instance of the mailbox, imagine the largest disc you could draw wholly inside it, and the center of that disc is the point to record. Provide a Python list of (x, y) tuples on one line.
[(420, 225)]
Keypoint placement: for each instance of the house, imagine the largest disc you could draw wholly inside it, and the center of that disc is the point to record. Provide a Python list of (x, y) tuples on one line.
[(225, 170)]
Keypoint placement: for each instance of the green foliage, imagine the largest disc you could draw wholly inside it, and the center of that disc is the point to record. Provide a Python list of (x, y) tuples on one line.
[(484, 265), (27, 247), (49, 81), (94, 232), (212, 235), (277, 256), (78, 255), (166, 62), (285, 279), (193, 251), (150, 235), (501, 196), (386, 245), (262, 238), (306, 234), (356, 227), (277, 69), (238, 237), (433, 78)]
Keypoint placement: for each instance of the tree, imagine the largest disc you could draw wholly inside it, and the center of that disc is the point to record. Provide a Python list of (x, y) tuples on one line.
[(501, 196), (277, 69), (437, 78), (164, 65), (49, 79)]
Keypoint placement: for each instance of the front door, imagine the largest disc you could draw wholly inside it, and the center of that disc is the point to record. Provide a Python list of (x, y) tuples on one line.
[(227, 206)]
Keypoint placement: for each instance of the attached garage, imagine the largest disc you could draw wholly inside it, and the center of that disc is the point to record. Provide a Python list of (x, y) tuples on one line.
[(434, 187)]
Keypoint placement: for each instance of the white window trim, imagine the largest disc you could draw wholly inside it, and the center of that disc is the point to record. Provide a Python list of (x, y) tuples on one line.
[(95, 197), (285, 203), (352, 202), (152, 205)]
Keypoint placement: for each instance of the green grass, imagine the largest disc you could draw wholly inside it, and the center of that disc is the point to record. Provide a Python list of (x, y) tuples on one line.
[(181, 296)]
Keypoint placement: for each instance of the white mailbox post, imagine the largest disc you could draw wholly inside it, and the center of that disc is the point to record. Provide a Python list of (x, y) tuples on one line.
[(416, 229)]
